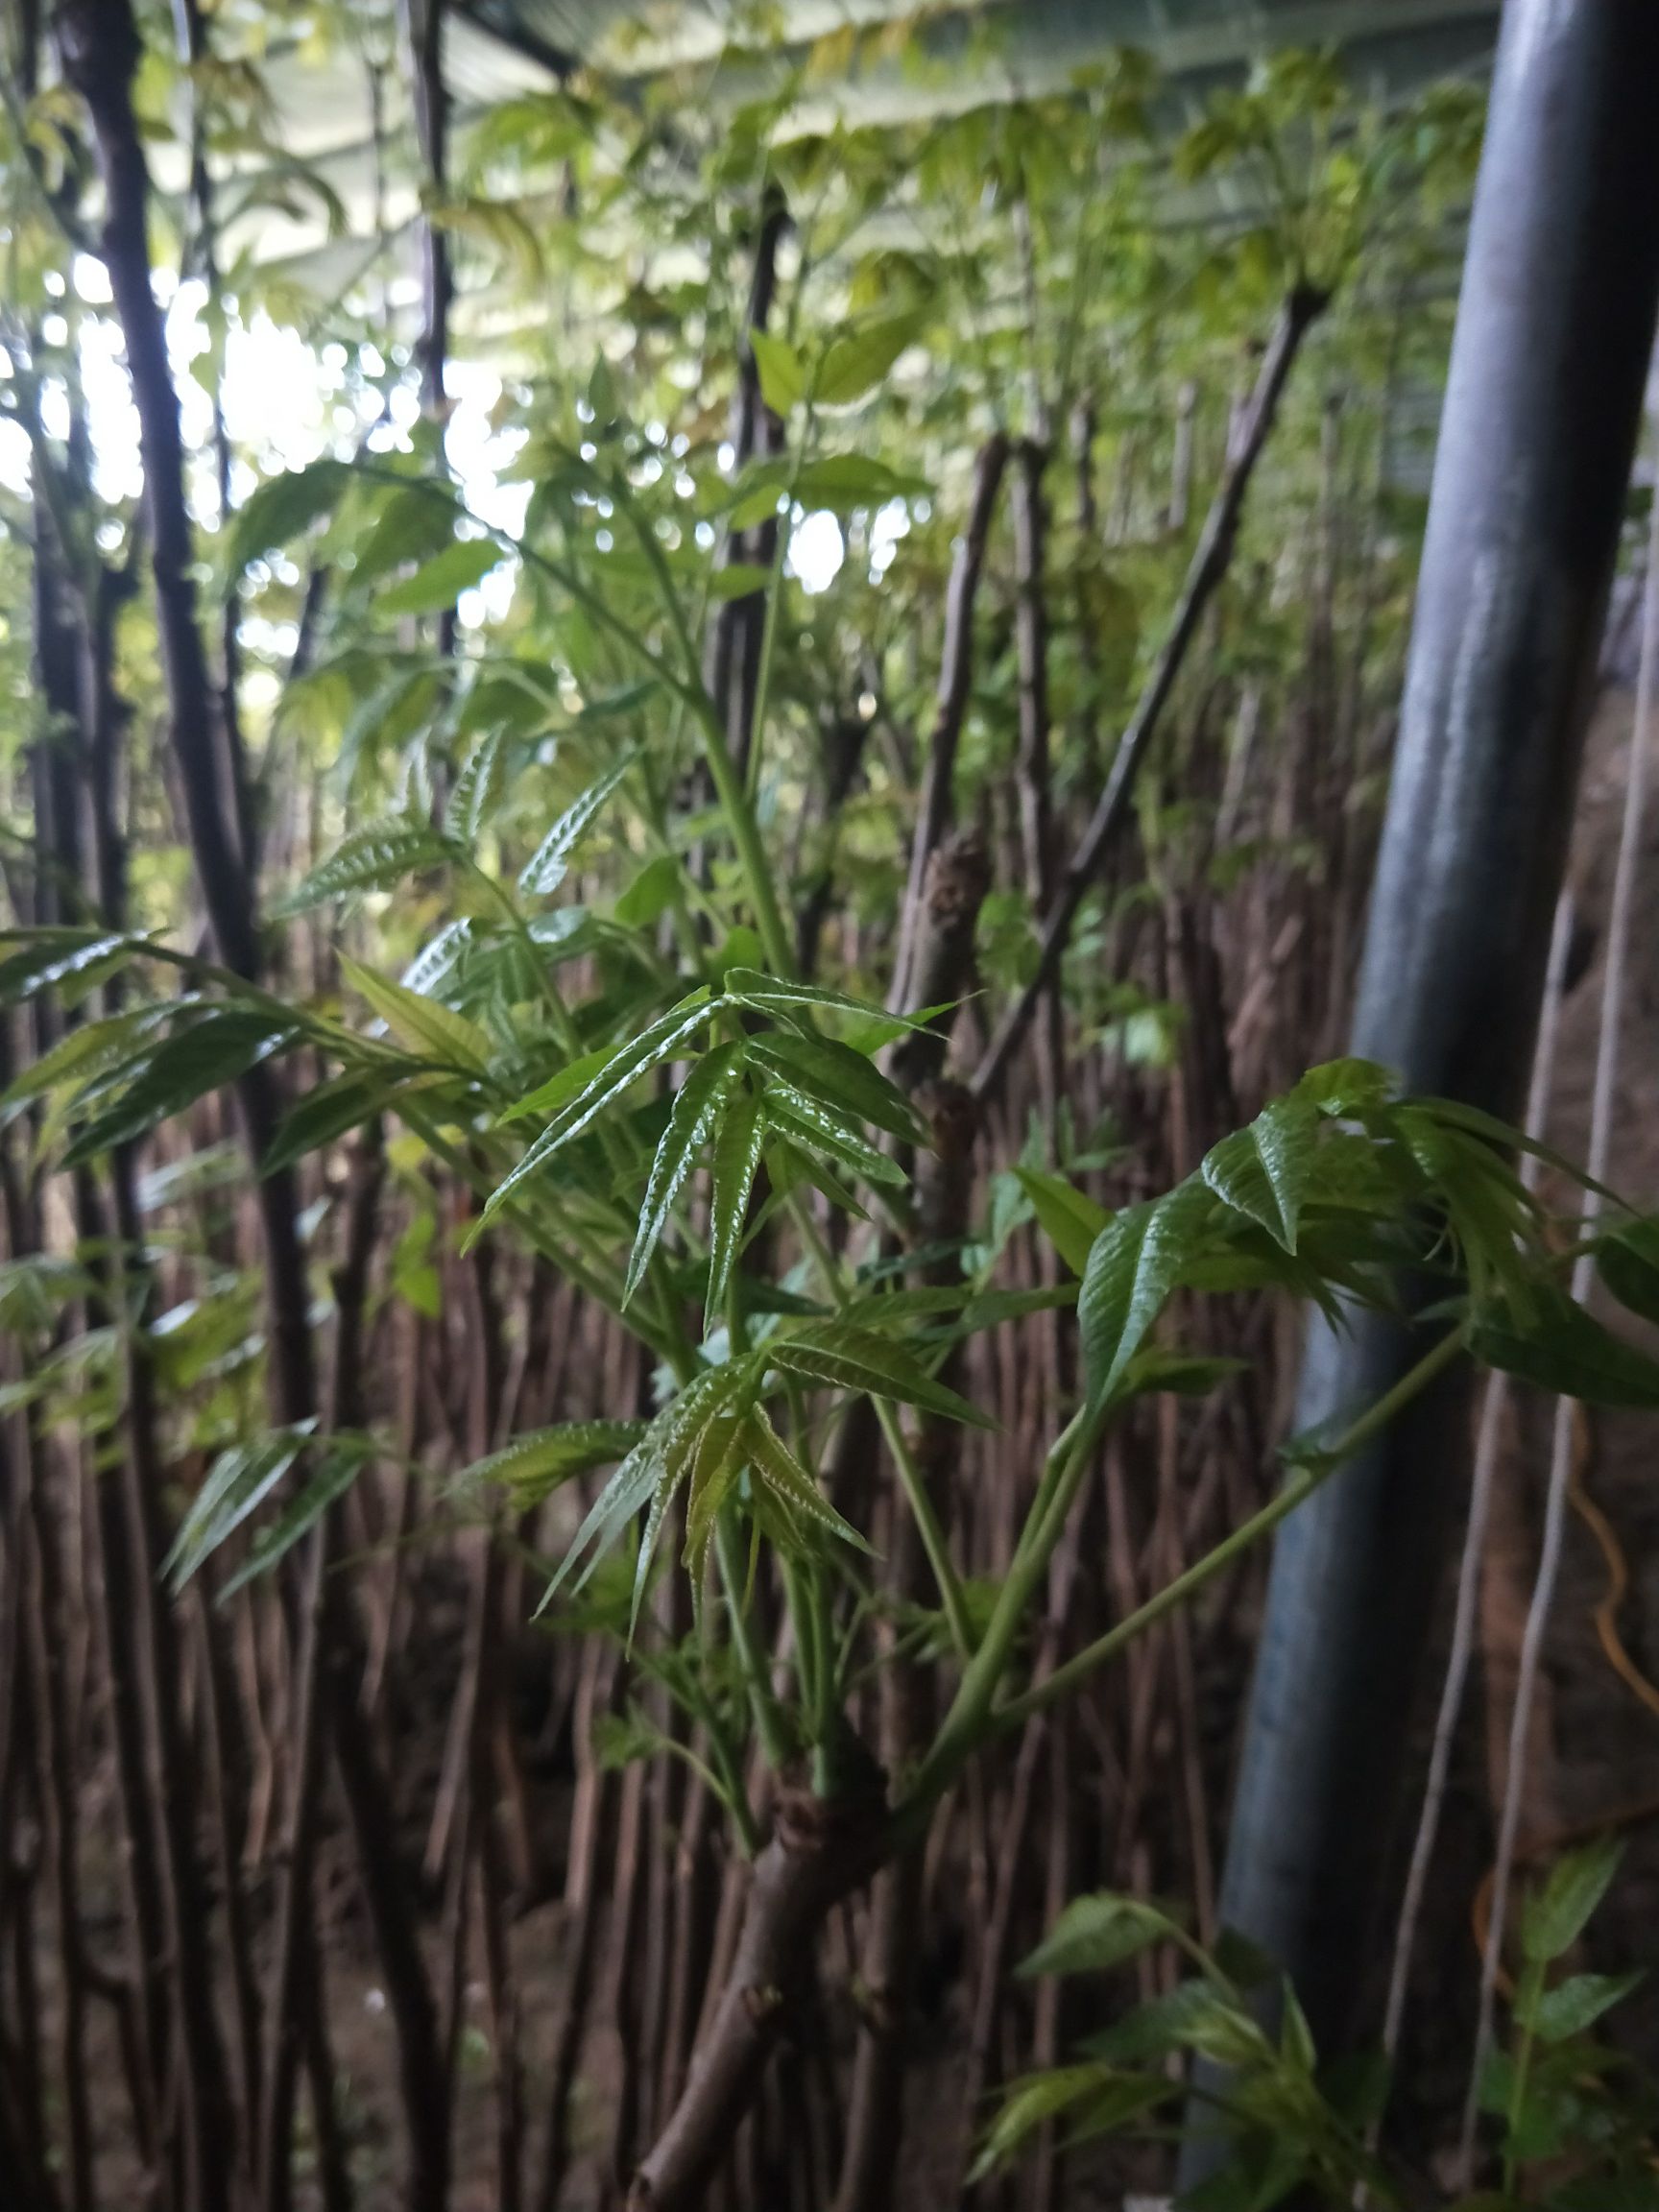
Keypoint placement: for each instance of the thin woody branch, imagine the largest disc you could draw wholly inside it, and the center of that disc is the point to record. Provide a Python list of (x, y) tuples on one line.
[(1209, 565)]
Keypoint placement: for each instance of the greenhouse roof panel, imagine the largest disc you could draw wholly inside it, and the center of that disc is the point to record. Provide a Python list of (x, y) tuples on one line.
[(995, 45)]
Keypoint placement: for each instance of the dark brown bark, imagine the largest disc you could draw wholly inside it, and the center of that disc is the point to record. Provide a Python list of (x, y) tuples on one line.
[(57, 1796), (100, 46), (820, 1851), (845, 738), (1031, 646), (423, 23), (582, 1906), (195, 50), (154, 1756), (731, 656), (955, 686)]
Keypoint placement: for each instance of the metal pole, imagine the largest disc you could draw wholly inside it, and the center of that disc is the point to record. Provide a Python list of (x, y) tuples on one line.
[(1556, 322)]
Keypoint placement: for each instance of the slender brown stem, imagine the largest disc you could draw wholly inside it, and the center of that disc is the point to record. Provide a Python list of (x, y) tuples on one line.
[(1208, 565), (955, 689)]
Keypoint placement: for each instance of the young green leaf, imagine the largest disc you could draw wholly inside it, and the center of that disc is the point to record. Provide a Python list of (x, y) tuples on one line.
[(1347, 1087), (701, 1452), (757, 495), (1264, 1170), (344, 1103), (1071, 1218), (421, 1025), (783, 377), (672, 1449), (533, 1465), (844, 481), (557, 1093), (856, 364), (1193, 2016), (1187, 1374), (376, 857), (342, 1460), (739, 580), (1628, 1261), (1095, 2098), (630, 1488), (789, 1167), (791, 1487), (1557, 1346), (738, 1148), (545, 871), (696, 1109), (283, 508), (854, 1358), (411, 524), (617, 706), (218, 1045), (80, 1054), (1095, 1933), (1137, 1261), (237, 1483), (839, 1079), (437, 584), (618, 1073), (1576, 2003), (650, 894), (1555, 1918), (805, 1122)]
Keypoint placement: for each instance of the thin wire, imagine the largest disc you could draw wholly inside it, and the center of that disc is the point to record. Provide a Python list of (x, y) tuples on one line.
[(1584, 1276), (1492, 1407)]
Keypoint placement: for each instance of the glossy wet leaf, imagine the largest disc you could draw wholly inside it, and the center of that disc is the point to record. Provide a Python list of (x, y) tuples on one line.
[(1264, 1170), (840, 1080), (792, 1489), (1137, 1261), (696, 1109), (855, 1358), (737, 1150), (533, 1465), (546, 869), (479, 786), (376, 857), (819, 1128), (616, 1074), (773, 994)]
